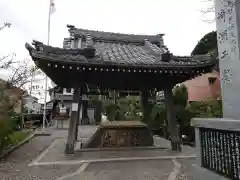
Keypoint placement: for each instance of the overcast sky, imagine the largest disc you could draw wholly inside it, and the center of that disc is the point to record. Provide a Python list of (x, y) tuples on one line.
[(180, 20)]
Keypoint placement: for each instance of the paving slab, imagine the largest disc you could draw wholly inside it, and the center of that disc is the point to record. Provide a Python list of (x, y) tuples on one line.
[(161, 142), (140, 170), (84, 131), (136, 170), (15, 166), (55, 153)]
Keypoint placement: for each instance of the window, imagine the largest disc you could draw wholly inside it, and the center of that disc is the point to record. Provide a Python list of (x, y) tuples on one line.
[(67, 91), (211, 80), (58, 90)]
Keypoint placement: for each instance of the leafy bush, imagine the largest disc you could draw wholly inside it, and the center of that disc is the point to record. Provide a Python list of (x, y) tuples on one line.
[(180, 96), (128, 108), (207, 44), (110, 110), (208, 109), (185, 112), (8, 124), (158, 115), (5, 132)]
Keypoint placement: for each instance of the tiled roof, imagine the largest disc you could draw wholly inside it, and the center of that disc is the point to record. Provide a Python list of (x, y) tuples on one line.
[(100, 35), (141, 55), (106, 53)]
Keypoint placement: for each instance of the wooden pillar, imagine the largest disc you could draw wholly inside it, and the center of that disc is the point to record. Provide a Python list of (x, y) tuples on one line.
[(145, 105), (79, 98), (173, 127), (85, 119), (71, 139)]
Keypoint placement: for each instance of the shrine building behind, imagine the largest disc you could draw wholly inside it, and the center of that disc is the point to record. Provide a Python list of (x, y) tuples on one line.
[(119, 62)]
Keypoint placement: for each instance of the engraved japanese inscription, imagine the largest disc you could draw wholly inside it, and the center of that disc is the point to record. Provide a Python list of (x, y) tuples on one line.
[(227, 76), (220, 151), (226, 29)]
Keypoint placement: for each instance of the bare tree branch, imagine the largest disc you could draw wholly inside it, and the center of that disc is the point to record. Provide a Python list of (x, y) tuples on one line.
[(5, 65), (6, 24), (19, 73), (208, 11)]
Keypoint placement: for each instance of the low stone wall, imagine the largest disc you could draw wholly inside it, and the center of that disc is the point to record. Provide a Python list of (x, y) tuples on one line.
[(218, 148)]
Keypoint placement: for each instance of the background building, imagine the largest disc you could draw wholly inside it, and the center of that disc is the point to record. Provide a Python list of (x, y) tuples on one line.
[(31, 104), (204, 87)]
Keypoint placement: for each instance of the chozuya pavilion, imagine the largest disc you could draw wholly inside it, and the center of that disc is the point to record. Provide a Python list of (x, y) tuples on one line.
[(120, 62)]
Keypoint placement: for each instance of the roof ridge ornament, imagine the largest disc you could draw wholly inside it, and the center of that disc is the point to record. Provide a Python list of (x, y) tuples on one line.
[(112, 36), (89, 41), (166, 56), (38, 45), (71, 26), (71, 30), (29, 48), (157, 51), (90, 51)]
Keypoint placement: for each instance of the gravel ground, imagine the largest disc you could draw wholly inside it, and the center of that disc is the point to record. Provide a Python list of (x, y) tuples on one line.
[(15, 166)]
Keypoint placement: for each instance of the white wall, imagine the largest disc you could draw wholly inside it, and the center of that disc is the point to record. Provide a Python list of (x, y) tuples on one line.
[(32, 104)]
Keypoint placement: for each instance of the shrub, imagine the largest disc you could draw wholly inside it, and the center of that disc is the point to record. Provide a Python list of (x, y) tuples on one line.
[(184, 112), (208, 109), (111, 110), (180, 96), (158, 115), (7, 126), (5, 132)]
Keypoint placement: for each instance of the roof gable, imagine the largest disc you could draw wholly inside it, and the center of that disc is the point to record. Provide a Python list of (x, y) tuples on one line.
[(113, 37)]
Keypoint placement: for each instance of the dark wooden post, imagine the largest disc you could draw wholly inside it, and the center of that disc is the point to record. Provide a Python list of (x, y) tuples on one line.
[(145, 105), (171, 119), (85, 119), (71, 139), (79, 98)]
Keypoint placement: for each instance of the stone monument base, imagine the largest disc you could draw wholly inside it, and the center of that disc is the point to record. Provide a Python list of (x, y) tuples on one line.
[(120, 134)]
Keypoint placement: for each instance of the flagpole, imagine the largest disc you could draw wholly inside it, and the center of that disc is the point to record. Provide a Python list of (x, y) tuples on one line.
[(48, 42)]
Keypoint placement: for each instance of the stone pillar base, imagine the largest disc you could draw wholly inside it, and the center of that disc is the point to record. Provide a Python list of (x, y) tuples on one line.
[(199, 173), (176, 146), (70, 149), (85, 121)]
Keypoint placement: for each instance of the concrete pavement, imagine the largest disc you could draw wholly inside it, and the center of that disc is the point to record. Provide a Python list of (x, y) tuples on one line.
[(44, 153)]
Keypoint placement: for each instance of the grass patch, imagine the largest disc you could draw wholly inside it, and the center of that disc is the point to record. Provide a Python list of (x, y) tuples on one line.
[(18, 136)]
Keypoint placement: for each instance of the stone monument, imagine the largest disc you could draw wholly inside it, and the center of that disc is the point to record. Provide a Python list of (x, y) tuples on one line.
[(227, 20), (207, 130), (120, 134)]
